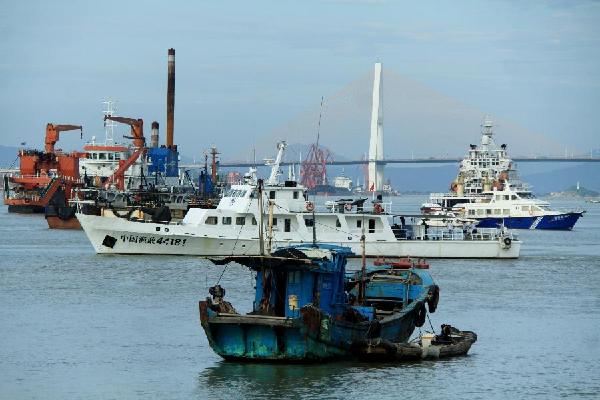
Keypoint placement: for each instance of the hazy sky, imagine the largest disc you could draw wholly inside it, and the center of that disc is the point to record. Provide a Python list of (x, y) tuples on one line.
[(246, 68)]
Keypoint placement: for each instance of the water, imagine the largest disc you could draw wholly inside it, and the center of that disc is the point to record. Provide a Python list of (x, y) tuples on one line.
[(74, 325)]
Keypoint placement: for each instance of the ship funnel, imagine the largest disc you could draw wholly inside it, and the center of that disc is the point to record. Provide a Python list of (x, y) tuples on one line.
[(170, 97), (154, 135)]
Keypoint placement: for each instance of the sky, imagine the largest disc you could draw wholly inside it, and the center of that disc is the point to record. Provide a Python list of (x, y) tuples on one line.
[(248, 71)]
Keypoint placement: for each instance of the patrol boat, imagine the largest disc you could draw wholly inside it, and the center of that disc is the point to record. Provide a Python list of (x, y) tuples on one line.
[(306, 309), (231, 228), (488, 190)]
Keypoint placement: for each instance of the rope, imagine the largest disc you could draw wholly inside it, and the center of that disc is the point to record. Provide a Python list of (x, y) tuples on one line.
[(430, 324), (224, 269), (241, 227)]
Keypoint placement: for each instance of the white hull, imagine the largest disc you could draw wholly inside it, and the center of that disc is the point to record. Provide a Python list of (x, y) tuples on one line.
[(149, 238)]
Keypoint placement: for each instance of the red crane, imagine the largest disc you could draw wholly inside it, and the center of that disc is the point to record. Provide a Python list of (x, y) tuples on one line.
[(139, 142), (53, 134)]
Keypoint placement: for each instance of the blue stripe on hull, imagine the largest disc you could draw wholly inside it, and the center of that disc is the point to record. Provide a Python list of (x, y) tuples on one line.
[(557, 222)]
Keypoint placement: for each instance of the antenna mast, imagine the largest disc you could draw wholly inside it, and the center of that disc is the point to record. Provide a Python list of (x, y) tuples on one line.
[(109, 124)]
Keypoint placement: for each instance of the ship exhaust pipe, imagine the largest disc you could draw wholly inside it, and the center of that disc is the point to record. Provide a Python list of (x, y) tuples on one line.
[(170, 97), (154, 136)]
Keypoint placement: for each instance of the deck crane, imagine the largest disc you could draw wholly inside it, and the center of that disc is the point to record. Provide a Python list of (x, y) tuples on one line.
[(53, 134), (139, 142)]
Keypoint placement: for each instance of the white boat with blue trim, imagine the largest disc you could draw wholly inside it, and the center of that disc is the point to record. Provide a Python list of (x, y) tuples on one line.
[(489, 191)]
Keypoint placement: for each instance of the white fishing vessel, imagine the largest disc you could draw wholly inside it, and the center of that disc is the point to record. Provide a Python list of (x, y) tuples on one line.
[(102, 159), (489, 190), (233, 227)]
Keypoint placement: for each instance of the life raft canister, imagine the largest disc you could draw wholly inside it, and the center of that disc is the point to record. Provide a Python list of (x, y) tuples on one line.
[(310, 206)]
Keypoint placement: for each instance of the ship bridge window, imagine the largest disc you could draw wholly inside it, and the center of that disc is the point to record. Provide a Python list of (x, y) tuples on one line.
[(94, 156), (505, 211), (338, 224), (274, 222), (111, 156), (102, 156), (287, 225), (359, 223), (254, 221), (272, 194), (235, 193), (211, 221), (513, 197), (506, 197), (226, 221), (240, 220), (309, 222), (497, 211), (471, 212), (488, 211), (295, 195), (117, 156)]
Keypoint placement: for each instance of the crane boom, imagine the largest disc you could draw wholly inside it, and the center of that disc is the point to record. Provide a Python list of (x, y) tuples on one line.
[(137, 128), (53, 134), (137, 134)]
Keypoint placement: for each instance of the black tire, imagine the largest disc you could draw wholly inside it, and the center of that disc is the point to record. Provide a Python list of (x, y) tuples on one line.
[(433, 299), (420, 314)]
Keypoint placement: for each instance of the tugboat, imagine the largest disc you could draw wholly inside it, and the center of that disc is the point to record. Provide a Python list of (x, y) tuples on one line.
[(489, 191)]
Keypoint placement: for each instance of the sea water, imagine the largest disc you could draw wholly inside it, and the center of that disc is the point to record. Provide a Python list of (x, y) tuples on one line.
[(76, 325)]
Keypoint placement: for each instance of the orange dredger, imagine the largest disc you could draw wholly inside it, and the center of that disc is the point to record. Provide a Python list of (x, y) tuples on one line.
[(42, 173)]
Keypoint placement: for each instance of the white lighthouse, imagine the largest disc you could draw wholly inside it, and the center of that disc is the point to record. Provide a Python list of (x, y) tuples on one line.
[(376, 142)]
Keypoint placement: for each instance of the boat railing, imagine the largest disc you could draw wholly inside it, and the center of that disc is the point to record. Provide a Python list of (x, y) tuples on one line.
[(420, 232)]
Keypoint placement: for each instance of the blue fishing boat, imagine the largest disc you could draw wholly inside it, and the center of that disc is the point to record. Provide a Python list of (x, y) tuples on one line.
[(307, 308)]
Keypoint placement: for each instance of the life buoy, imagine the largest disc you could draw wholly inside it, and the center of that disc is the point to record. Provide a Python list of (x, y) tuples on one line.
[(434, 298), (507, 242), (377, 209), (420, 314), (348, 207), (310, 206)]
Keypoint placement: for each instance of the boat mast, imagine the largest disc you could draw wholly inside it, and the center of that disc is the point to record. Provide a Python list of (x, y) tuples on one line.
[(261, 239), (109, 124), (270, 227), (275, 165), (363, 268)]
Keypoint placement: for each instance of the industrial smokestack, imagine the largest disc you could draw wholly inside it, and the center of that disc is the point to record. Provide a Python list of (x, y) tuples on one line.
[(154, 135), (170, 97)]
